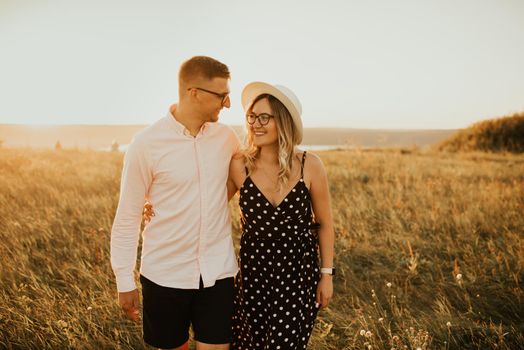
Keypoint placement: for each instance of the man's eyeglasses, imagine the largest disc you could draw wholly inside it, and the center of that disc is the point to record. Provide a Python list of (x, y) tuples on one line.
[(223, 97), (263, 118)]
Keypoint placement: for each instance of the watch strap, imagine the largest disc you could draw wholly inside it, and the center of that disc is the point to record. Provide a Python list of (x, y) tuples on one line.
[(328, 270)]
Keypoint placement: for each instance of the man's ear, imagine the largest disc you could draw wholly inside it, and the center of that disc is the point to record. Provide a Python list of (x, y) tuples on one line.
[(193, 94)]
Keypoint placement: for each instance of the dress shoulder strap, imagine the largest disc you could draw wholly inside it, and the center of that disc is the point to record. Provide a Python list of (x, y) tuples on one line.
[(303, 161)]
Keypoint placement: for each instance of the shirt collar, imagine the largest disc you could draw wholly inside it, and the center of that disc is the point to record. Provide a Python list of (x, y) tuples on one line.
[(179, 127)]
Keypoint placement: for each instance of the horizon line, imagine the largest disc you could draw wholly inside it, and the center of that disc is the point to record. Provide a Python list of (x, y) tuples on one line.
[(232, 125)]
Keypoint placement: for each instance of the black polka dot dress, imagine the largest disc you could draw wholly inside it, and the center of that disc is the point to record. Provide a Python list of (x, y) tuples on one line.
[(275, 288)]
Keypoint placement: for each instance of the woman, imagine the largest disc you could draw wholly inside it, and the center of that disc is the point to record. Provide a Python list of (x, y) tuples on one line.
[(282, 192)]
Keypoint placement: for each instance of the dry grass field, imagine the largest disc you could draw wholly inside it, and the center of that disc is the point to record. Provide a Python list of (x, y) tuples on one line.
[(429, 251)]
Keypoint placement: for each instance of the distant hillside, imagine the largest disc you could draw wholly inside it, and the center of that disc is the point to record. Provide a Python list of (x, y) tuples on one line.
[(504, 134), (101, 136), (374, 137)]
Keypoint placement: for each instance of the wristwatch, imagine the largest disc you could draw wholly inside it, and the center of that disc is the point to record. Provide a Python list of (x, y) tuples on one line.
[(328, 270)]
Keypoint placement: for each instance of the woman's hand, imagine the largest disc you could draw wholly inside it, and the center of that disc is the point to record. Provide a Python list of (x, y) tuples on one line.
[(148, 212), (325, 290)]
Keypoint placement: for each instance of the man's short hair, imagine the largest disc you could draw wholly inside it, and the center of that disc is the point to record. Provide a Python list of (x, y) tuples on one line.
[(202, 67)]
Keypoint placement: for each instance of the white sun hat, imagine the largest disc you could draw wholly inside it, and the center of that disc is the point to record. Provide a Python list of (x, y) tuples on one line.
[(281, 93)]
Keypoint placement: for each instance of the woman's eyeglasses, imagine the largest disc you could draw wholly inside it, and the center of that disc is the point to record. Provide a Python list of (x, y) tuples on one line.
[(263, 118)]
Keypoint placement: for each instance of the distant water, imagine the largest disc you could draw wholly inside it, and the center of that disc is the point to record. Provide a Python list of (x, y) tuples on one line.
[(322, 147)]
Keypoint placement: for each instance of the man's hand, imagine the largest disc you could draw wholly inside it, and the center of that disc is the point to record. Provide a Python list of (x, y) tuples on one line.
[(148, 212), (128, 301)]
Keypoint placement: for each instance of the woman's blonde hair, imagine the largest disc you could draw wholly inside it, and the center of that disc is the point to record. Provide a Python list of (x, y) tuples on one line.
[(286, 140)]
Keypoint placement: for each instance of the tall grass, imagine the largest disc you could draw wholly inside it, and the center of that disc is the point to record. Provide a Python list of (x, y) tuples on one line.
[(429, 251)]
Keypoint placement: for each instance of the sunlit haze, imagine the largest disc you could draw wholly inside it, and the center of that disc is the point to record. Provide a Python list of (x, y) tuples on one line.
[(359, 64)]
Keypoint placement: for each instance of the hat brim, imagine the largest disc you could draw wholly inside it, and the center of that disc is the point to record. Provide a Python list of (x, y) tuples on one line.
[(255, 89)]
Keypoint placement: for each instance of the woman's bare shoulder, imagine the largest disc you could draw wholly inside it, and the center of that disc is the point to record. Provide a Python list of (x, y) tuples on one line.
[(237, 167), (238, 160), (239, 156), (312, 161), (313, 167)]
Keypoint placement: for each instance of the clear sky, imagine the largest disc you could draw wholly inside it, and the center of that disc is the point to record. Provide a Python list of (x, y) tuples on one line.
[(361, 64)]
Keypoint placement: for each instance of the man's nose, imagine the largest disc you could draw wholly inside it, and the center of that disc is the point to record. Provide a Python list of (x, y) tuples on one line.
[(227, 102)]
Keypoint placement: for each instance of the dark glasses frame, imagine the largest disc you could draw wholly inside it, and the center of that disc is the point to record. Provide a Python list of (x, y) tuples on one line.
[(263, 118), (223, 96)]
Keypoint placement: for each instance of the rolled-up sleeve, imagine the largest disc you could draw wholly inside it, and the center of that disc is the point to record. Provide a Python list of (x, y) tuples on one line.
[(134, 187)]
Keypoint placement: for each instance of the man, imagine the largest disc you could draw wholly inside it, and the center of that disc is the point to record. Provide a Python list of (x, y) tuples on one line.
[(180, 165)]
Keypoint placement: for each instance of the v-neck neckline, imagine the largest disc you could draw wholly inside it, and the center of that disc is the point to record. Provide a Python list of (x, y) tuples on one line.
[(265, 197)]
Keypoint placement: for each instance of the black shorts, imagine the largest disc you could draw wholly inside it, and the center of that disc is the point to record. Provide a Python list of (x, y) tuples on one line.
[(168, 312)]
